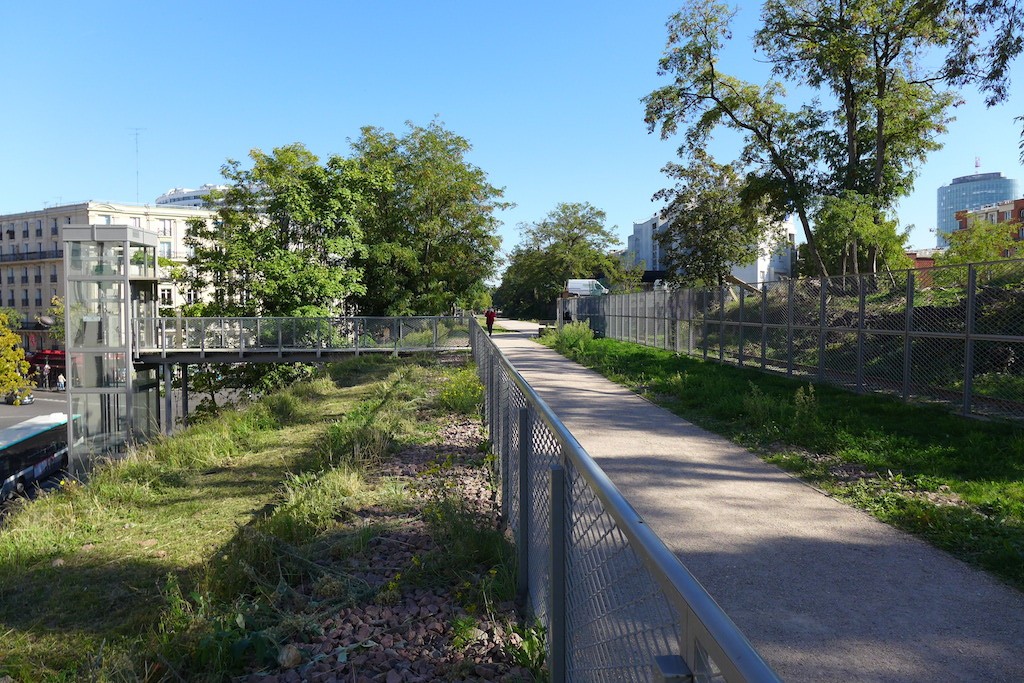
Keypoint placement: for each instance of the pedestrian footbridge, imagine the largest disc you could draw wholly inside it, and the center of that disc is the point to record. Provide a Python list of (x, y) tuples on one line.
[(292, 340)]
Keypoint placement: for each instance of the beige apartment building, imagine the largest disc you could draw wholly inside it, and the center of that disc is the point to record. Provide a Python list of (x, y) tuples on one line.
[(32, 257)]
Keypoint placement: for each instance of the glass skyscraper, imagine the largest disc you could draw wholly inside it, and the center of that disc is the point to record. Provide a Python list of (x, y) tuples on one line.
[(970, 192)]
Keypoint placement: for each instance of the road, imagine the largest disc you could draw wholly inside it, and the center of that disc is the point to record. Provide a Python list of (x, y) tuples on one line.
[(46, 402)]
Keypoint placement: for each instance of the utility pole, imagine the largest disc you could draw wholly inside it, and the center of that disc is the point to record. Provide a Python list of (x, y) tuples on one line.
[(136, 131)]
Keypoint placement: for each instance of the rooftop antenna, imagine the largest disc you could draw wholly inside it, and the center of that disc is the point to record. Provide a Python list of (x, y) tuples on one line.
[(977, 164), (135, 132)]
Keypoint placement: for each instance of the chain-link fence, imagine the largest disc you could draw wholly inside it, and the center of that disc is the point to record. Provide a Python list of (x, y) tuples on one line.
[(948, 335), (615, 603)]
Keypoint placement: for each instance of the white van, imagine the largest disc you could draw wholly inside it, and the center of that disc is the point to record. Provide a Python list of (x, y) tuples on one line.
[(585, 288)]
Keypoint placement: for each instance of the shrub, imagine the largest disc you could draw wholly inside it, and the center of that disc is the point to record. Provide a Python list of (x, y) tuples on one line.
[(462, 393)]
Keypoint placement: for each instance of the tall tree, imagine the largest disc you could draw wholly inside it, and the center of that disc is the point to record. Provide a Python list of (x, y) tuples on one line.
[(572, 241), (781, 147), (431, 230), (711, 228), (285, 238)]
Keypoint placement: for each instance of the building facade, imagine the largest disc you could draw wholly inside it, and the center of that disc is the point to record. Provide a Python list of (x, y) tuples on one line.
[(184, 196), (774, 260), (966, 194), (31, 254), (1001, 212)]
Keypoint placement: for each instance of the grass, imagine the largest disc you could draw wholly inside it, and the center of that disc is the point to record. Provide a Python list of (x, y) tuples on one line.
[(959, 483), (196, 555)]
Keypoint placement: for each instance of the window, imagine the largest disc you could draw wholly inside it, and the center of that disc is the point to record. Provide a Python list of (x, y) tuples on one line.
[(192, 296), (136, 222), (165, 249), (24, 229), (166, 296), (166, 227)]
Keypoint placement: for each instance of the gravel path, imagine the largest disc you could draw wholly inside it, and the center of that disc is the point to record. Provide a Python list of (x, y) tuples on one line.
[(409, 634)]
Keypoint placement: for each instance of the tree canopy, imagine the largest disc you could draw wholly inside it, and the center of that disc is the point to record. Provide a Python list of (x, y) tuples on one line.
[(880, 107), (710, 228), (13, 366), (572, 241), (430, 229), (981, 241), (285, 239)]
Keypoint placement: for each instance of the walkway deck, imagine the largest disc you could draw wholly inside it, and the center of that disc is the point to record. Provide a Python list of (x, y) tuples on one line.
[(823, 591)]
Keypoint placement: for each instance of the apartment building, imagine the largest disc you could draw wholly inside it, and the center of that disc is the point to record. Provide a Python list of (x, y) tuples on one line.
[(1009, 211), (32, 256)]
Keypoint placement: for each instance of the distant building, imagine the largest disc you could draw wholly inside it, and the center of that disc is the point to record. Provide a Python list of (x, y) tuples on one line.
[(774, 261), (32, 254), (183, 196), (1011, 211), (967, 193)]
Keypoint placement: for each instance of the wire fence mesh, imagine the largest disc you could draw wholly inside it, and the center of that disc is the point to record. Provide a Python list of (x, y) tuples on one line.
[(950, 335), (616, 605)]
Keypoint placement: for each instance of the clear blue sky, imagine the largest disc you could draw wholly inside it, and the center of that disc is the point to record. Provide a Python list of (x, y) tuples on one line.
[(548, 93)]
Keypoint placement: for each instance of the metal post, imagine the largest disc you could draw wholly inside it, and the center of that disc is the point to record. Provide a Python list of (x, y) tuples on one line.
[(743, 303), (971, 314), (357, 324), (557, 573), (764, 324), (822, 327), (908, 325), (395, 331), (789, 328), (523, 532), (168, 399), (861, 309), (492, 391), (434, 322), (721, 324), (184, 393)]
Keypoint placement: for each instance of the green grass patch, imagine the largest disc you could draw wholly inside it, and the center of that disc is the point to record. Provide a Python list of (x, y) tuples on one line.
[(957, 482), (197, 555)]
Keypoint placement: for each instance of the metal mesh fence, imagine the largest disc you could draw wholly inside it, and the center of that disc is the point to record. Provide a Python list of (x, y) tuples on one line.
[(615, 603), (951, 335)]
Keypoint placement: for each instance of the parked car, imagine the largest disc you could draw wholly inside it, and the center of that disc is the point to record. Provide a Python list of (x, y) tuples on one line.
[(12, 399)]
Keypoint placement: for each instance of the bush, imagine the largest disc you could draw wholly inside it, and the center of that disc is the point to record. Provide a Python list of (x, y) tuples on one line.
[(462, 393), (574, 339)]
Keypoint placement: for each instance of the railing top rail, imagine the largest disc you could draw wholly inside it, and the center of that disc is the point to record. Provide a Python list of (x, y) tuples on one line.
[(737, 657)]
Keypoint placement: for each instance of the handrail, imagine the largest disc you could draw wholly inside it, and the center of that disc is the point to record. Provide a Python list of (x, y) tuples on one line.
[(698, 613)]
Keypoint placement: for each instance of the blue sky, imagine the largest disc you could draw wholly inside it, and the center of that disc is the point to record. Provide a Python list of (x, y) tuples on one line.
[(548, 93)]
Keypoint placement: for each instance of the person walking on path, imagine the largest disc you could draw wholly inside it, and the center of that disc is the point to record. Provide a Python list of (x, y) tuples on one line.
[(61, 382), (46, 376), (489, 316)]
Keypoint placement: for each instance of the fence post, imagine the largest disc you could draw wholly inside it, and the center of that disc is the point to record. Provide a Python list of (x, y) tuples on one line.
[(689, 320), (791, 293), (764, 323), (168, 399), (706, 304), (743, 303), (822, 327), (492, 392), (558, 585), (972, 302), (861, 311), (435, 321), (721, 323), (523, 532), (908, 325)]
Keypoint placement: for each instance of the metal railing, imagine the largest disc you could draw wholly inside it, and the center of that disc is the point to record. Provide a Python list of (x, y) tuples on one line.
[(615, 603), (952, 334), (247, 338)]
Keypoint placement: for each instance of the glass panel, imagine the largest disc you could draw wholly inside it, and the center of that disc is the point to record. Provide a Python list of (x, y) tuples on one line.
[(95, 314), (99, 423), (98, 370), (96, 259)]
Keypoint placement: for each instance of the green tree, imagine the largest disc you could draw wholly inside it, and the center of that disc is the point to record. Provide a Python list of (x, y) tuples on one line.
[(781, 148), (981, 241), (856, 238), (285, 238), (431, 232), (56, 313), (711, 228), (571, 242), (13, 366)]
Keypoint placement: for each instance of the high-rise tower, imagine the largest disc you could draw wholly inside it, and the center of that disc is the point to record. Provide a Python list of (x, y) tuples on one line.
[(970, 192)]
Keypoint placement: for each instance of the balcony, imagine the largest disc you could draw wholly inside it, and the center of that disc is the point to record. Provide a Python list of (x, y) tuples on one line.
[(24, 279), (39, 303), (24, 303), (53, 277), (33, 256), (54, 230), (38, 279)]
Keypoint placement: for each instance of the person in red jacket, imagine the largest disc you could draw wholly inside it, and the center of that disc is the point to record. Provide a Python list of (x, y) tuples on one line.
[(489, 316)]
